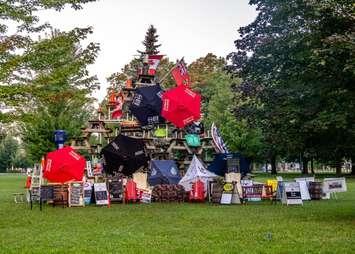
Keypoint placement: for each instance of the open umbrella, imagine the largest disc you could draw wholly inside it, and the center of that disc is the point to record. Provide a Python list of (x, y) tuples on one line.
[(64, 165), (124, 154), (181, 106), (146, 105)]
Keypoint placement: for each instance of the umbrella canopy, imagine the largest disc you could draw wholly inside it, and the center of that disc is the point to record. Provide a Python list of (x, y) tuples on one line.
[(181, 106), (146, 105), (64, 165), (124, 154), (163, 172)]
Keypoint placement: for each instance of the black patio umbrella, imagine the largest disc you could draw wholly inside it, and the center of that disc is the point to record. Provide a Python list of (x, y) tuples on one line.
[(124, 154), (146, 105)]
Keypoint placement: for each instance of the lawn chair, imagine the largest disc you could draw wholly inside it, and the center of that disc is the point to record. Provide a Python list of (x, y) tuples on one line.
[(252, 192)]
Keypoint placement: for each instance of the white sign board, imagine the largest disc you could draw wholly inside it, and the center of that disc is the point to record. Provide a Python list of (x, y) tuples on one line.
[(226, 198), (304, 189), (306, 179), (331, 185), (101, 195), (292, 194)]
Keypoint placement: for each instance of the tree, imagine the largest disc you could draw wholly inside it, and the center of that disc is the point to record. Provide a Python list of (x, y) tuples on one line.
[(150, 42), (8, 151), (14, 73), (203, 68), (60, 89), (296, 59), (237, 134)]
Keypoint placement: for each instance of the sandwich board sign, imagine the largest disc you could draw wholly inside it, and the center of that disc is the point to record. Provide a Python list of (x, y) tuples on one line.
[(304, 189), (87, 192), (227, 194), (291, 193), (332, 185), (76, 194), (101, 193)]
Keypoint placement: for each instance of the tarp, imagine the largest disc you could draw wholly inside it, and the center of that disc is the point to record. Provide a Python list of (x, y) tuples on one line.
[(219, 164), (163, 172), (196, 171), (124, 153)]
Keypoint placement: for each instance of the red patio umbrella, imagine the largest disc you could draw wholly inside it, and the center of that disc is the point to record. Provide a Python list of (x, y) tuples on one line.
[(64, 165), (181, 106)]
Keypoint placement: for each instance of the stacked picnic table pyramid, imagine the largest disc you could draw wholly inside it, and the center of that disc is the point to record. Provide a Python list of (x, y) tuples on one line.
[(166, 122)]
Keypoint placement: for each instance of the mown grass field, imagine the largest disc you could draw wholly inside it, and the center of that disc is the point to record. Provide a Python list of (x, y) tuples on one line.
[(316, 227)]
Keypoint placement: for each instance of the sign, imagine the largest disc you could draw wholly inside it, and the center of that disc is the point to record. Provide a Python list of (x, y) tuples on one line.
[(116, 190), (101, 195), (304, 188), (332, 185), (76, 194), (89, 169), (146, 197), (292, 193), (226, 198), (87, 192)]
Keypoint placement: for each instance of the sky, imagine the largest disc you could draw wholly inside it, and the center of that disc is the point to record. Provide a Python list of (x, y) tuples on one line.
[(186, 28)]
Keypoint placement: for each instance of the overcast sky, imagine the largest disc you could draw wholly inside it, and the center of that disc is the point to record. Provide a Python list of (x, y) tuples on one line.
[(189, 28)]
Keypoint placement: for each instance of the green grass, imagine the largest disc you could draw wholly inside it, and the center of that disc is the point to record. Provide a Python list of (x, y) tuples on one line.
[(317, 227)]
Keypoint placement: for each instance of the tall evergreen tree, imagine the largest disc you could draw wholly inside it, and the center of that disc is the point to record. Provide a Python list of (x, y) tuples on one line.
[(150, 42)]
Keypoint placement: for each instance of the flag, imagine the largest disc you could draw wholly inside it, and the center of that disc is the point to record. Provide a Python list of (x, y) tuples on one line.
[(153, 62), (180, 74)]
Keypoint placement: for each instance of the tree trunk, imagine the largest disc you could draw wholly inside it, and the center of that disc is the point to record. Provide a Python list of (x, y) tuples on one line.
[(352, 166), (312, 166), (338, 167), (273, 165), (305, 166)]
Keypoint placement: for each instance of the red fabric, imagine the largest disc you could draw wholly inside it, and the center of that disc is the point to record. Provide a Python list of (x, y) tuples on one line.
[(181, 106), (181, 75), (28, 182), (64, 165)]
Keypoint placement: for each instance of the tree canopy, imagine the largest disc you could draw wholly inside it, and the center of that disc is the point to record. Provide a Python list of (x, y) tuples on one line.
[(297, 63)]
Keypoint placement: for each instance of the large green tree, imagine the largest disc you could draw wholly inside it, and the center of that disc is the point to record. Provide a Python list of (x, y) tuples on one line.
[(44, 81), (15, 66), (297, 61)]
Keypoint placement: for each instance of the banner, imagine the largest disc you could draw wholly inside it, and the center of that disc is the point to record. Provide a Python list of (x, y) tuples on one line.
[(331, 185)]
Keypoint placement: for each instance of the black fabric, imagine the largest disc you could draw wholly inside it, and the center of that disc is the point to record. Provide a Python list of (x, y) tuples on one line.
[(146, 105), (124, 151), (219, 165)]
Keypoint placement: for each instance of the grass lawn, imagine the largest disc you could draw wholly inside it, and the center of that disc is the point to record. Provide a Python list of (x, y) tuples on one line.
[(326, 226)]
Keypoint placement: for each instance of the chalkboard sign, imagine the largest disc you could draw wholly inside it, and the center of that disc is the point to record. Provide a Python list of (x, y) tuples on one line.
[(87, 192), (76, 194), (47, 193), (101, 195), (115, 187), (292, 194)]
